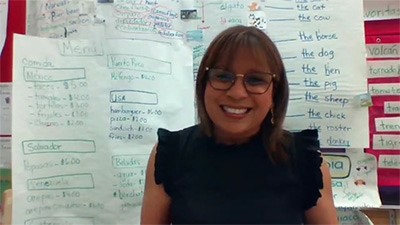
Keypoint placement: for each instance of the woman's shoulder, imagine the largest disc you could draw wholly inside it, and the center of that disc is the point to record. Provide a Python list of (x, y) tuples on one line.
[(307, 139), (308, 160), (172, 138), (305, 145), (168, 151)]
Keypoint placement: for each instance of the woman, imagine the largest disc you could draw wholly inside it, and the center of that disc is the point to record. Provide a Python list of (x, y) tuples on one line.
[(238, 165)]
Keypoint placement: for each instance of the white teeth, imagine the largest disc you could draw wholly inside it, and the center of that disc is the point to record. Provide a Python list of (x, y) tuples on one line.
[(234, 110)]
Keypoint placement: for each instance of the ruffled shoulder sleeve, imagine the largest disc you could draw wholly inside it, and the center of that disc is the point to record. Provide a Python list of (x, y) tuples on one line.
[(167, 150), (308, 160)]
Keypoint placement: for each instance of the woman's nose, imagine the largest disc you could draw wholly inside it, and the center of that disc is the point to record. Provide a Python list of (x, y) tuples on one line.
[(238, 90)]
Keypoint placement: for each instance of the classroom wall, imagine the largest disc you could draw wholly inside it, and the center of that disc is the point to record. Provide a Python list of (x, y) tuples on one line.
[(17, 16)]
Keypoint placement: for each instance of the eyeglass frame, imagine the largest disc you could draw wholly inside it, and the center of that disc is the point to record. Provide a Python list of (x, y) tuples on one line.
[(243, 80)]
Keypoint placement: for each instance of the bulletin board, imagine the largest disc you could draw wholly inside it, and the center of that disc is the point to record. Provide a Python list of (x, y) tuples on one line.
[(386, 150), (16, 14)]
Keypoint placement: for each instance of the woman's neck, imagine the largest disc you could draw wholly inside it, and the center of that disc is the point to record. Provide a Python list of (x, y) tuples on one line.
[(233, 139)]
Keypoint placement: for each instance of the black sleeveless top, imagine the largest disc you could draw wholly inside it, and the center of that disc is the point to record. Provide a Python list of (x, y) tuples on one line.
[(211, 183)]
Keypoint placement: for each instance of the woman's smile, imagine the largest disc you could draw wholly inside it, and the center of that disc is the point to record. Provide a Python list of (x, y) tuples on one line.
[(235, 110)]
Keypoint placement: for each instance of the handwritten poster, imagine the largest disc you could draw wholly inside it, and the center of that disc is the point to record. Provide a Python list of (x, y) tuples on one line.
[(84, 122), (325, 65), (3, 22), (63, 19), (354, 179), (5, 152), (348, 216), (5, 108)]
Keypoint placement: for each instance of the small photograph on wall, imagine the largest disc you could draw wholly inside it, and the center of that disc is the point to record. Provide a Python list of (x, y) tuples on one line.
[(189, 14)]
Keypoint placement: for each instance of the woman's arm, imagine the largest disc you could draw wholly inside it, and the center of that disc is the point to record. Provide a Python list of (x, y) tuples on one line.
[(324, 212), (156, 202)]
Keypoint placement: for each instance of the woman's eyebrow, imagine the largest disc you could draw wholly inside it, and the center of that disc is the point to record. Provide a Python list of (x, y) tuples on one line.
[(251, 70), (220, 67), (257, 71)]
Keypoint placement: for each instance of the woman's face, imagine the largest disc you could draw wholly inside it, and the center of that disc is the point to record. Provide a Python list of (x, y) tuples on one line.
[(236, 114)]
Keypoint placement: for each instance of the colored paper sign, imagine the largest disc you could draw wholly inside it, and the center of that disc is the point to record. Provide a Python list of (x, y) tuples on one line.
[(387, 124), (381, 10), (389, 161), (383, 68), (383, 50), (354, 179)]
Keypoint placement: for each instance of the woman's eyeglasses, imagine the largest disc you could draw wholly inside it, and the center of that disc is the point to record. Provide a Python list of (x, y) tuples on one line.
[(255, 83)]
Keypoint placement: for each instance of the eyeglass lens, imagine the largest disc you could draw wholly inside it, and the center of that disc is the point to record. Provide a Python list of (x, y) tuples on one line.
[(256, 83)]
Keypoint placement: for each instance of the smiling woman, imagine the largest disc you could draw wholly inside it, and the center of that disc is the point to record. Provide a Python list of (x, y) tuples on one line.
[(238, 165)]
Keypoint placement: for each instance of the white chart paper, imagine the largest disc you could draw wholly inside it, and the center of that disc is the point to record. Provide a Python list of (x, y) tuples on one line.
[(354, 179), (85, 118)]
